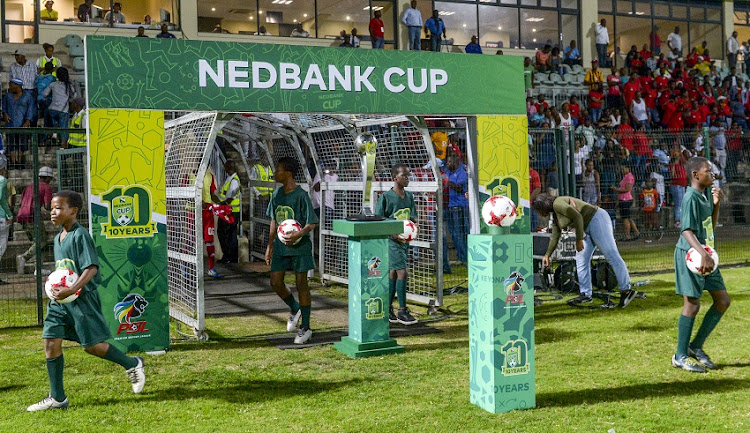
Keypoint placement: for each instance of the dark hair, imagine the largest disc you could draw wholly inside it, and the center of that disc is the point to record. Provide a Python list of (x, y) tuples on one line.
[(47, 45), (694, 164), (288, 164), (543, 203), (396, 167), (73, 198), (229, 165), (63, 77)]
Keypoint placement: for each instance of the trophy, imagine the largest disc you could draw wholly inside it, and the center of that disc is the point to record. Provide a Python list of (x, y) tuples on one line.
[(366, 144)]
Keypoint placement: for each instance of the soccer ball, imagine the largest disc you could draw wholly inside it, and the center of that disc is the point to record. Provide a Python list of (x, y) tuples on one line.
[(410, 231), (62, 278), (499, 210), (286, 227), (693, 260)]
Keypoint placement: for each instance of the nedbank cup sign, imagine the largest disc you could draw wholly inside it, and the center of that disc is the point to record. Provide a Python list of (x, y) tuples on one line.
[(129, 213)]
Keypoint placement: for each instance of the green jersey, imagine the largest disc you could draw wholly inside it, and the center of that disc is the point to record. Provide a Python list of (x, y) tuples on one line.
[(76, 252), (527, 76), (390, 205), (296, 206), (696, 215)]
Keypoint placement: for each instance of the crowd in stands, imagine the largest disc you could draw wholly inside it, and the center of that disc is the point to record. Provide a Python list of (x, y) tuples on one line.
[(639, 125)]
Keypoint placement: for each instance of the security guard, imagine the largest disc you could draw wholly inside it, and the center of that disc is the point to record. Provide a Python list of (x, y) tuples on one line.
[(78, 121), (262, 173), (230, 194)]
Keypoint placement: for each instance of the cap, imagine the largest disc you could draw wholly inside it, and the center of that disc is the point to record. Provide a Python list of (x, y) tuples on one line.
[(17, 81), (19, 53), (700, 58), (45, 172), (80, 101), (595, 61)]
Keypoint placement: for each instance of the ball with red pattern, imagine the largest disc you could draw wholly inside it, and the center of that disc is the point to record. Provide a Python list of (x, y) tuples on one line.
[(287, 227), (693, 260), (410, 231), (62, 278), (499, 210)]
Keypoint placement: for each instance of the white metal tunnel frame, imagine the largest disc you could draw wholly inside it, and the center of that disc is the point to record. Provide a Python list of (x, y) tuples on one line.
[(297, 131)]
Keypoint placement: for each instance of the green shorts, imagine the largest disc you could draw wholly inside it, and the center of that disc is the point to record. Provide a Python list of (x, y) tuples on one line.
[(81, 320), (690, 284), (397, 253), (298, 264)]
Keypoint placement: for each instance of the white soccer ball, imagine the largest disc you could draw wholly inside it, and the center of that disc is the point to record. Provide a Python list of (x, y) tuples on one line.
[(287, 227), (62, 278), (499, 210), (693, 260), (410, 231)]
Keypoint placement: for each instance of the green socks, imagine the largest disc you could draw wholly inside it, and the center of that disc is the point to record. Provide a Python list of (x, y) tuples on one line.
[(305, 316), (401, 291), (709, 323), (115, 355), (684, 329), (391, 290), (292, 303), (55, 373)]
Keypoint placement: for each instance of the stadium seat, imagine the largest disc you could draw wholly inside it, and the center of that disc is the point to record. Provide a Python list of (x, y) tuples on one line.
[(79, 64), (76, 50), (71, 40), (540, 77), (578, 69)]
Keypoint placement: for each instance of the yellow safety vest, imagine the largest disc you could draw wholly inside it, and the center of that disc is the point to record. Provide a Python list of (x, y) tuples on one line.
[(235, 203), (264, 174), (77, 139), (56, 63)]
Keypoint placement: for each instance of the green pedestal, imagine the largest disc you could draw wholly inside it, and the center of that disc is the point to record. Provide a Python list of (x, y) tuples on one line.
[(501, 322), (368, 288)]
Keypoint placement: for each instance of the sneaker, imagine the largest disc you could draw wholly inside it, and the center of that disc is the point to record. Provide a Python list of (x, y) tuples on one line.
[(405, 318), (293, 322), (303, 336), (702, 358), (20, 264), (48, 403), (213, 273), (626, 296), (687, 364), (137, 376), (392, 316), (581, 299)]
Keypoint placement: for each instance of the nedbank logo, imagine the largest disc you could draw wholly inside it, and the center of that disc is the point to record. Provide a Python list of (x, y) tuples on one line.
[(129, 213), (375, 309), (516, 355)]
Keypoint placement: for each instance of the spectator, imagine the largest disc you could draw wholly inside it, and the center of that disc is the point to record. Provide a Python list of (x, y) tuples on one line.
[(555, 62), (615, 118), (639, 112), (78, 121), (165, 34), (24, 71), (42, 82), (575, 110), (625, 198), (650, 201), (473, 47), (84, 11), (528, 75), (499, 52), (299, 32), (596, 98), (592, 193), (115, 16), (346, 42), (594, 75), (434, 27), (141, 33), (630, 88), (48, 57), (542, 59), (48, 14), (655, 41), (719, 142), (571, 55), (677, 185), (18, 109), (377, 31), (674, 41), (645, 52), (535, 185), (738, 113), (412, 19), (588, 132), (26, 216), (262, 31), (602, 41), (614, 90), (231, 195), (700, 49), (354, 39), (631, 55), (458, 205), (61, 91)]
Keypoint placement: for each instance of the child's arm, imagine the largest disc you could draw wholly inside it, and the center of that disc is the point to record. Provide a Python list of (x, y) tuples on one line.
[(63, 292), (271, 237), (707, 263), (717, 195)]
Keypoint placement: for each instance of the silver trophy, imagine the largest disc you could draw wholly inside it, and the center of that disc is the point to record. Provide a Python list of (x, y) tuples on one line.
[(366, 144)]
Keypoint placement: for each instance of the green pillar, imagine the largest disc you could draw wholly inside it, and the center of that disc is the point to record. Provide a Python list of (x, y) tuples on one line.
[(369, 328), (501, 322)]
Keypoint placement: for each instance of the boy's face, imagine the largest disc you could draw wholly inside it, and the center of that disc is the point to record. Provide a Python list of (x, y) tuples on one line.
[(61, 212), (280, 175), (704, 176), (402, 177)]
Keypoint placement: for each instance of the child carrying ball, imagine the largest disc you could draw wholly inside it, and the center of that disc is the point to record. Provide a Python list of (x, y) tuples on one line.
[(290, 201), (81, 320), (397, 203), (700, 211)]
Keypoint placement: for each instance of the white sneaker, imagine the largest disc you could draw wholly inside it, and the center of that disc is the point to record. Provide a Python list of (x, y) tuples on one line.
[(137, 376), (303, 336), (48, 403), (20, 264), (293, 322)]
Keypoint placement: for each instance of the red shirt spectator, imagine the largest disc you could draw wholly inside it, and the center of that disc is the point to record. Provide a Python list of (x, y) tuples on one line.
[(539, 106), (655, 40), (645, 54), (734, 138), (613, 85), (534, 180), (650, 95), (636, 64), (594, 94), (640, 140), (675, 121), (26, 213), (661, 81), (575, 109), (678, 175), (625, 136), (646, 81), (376, 27), (628, 92)]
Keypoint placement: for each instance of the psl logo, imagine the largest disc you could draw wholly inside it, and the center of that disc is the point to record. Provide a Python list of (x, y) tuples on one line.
[(374, 309), (129, 213), (132, 306), (514, 284), (516, 354), (372, 267)]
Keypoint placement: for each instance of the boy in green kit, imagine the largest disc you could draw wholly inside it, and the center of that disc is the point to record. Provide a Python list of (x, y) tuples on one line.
[(397, 203), (81, 320), (700, 211), (290, 201)]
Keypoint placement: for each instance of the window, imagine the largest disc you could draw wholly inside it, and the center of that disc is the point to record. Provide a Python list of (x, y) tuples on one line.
[(570, 30), (624, 6), (460, 21), (229, 17), (538, 28), (569, 4), (498, 26), (148, 13), (605, 5), (630, 31), (282, 17), (661, 9), (711, 33), (697, 14), (337, 15)]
